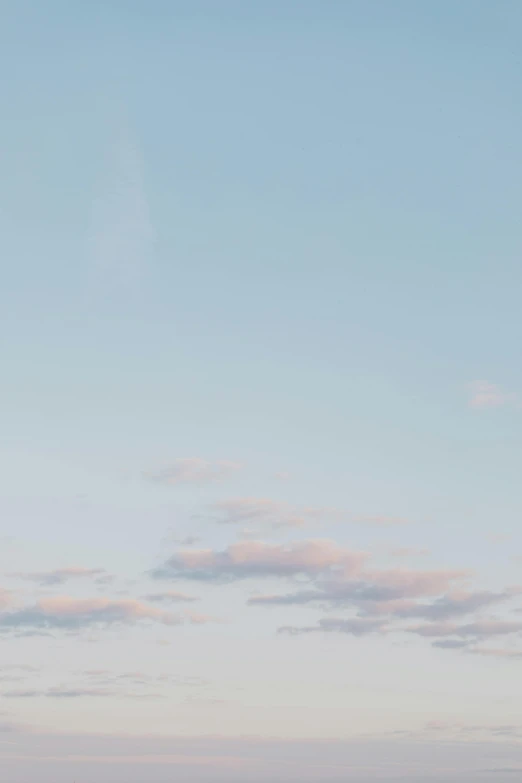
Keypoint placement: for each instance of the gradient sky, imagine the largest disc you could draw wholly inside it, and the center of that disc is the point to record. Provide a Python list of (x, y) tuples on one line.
[(261, 390)]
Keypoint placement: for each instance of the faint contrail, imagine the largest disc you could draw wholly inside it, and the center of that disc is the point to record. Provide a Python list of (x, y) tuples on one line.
[(122, 233)]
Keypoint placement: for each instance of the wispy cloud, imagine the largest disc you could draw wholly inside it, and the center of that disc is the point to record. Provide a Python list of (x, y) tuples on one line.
[(263, 513), (60, 576), (194, 470), (492, 652), (246, 560), (122, 233), (169, 597), (488, 395), (355, 626), (112, 678), (67, 613), (62, 692), (476, 630)]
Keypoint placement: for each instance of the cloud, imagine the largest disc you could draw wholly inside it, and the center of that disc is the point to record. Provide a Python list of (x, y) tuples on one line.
[(489, 395), (11, 678), (258, 514), (355, 626), (68, 613), (262, 511), (21, 694), (382, 600), (106, 677), (6, 598), (122, 233), (61, 575), (492, 652), (450, 644), (169, 597), (496, 730), (275, 514), (459, 603), (194, 470), (104, 683), (250, 559), (77, 693), (373, 592), (200, 619), (19, 667), (188, 541), (62, 692), (479, 629), (8, 726), (406, 582)]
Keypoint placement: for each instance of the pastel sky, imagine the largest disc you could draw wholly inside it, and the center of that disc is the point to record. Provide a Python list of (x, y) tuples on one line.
[(261, 391)]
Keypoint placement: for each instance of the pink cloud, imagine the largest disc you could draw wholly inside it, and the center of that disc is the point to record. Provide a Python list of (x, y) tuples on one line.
[(63, 612), (418, 583), (489, 395), (254, 558)]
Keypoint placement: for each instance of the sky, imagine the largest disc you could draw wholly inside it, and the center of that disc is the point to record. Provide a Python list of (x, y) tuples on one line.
[(261, 391)]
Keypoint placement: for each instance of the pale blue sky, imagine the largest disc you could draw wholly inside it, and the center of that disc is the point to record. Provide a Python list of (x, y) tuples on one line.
[(282, 235)]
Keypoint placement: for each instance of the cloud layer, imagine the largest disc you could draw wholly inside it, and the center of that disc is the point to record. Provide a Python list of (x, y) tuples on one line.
[(326, 576)]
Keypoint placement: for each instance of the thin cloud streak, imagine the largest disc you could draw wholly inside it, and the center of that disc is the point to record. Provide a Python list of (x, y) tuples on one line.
[(194, 470), (62, 575), (170, 597)]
